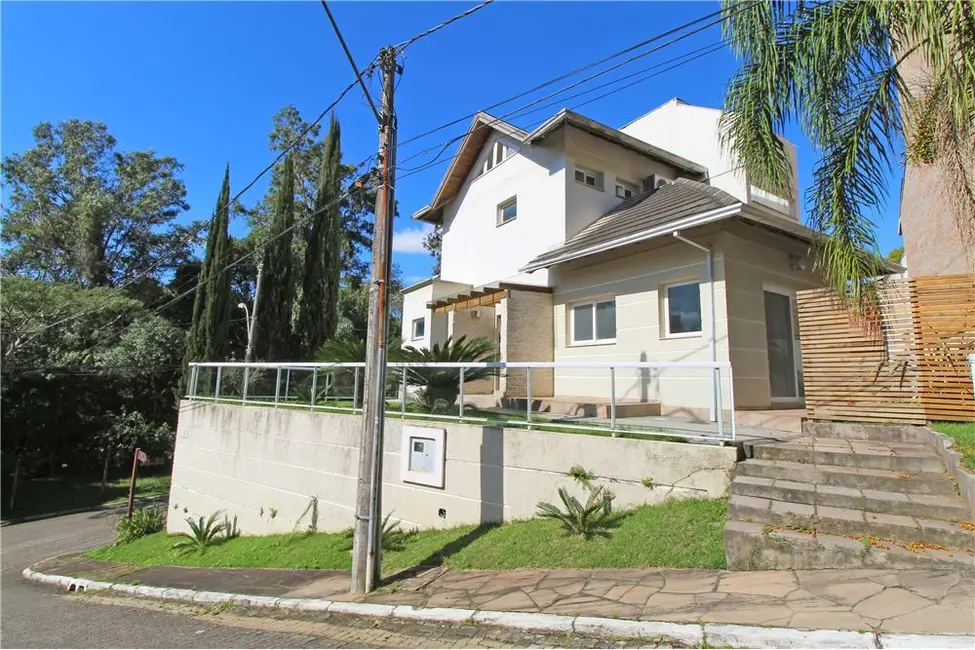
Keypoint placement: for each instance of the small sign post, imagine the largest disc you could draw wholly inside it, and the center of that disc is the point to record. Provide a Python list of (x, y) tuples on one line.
[(138, 457)]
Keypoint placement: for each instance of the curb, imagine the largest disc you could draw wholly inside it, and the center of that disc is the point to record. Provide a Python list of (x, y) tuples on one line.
[(77, 511), (692, 634)]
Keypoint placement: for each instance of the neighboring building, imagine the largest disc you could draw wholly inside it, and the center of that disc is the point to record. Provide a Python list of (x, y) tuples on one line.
[(933, 244), (580, 242)]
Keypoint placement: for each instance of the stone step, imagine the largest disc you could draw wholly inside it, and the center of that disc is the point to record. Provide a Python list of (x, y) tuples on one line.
[(855, 477), (845, 521), (901, 457), (876, 501), (750, 547), (879, 432)]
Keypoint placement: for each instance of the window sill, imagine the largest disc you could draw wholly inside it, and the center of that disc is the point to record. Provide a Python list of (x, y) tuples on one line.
[(590, 344), (591, 187), (504, 223), (684, 335)]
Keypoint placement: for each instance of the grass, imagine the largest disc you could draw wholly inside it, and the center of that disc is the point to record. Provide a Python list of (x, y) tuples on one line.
[(46, 495), (676, 533), (964, 435)]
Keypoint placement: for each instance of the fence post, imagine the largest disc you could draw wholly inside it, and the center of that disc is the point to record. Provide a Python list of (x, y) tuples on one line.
[(216, 389), (612, 399), (528, 396), (314, 385), (402, 404), (461, 392), (287, 382), (719, 407), (277, 385), (355, 388), (731, 398), (243, 392)]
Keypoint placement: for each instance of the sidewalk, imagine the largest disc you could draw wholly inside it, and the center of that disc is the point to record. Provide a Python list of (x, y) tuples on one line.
[(907, 601)]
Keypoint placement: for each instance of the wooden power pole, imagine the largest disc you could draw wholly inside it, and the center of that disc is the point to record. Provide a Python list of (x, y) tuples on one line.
[(367, 543)]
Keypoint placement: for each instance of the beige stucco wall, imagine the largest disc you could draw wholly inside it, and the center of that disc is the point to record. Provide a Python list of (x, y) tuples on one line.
[(249, 460), (529, 335), (636, 277), (752, 267), (475, 322)]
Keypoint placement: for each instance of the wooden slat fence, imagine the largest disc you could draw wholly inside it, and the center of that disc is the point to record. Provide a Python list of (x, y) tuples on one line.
[(904, 360)]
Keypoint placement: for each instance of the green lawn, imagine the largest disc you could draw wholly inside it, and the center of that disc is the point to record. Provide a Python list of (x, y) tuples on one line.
[(964, 435), (45, 495), (677, 533)]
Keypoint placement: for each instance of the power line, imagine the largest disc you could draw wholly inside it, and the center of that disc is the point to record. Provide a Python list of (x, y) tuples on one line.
[(562, 77), (405, 44), (355, 69)]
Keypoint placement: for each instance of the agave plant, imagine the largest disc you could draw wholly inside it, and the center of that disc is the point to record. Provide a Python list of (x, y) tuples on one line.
[(203, 532), (590, 519)]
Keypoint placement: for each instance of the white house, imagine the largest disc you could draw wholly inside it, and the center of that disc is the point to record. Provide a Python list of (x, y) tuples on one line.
[(579, 241)]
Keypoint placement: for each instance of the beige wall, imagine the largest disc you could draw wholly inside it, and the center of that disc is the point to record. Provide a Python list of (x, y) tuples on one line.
[(475, 322), (249, 460), (529, 335), (752, 267), (636, 276)]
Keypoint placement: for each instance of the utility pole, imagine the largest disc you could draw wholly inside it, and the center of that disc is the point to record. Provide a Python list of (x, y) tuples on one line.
[(367, 543)]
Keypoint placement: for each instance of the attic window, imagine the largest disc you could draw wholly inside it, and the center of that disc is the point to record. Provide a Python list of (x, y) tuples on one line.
[(589, 178), (625, 190), (499, 152)]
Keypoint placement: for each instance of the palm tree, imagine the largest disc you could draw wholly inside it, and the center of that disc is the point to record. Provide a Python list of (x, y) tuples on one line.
[(836, 69)]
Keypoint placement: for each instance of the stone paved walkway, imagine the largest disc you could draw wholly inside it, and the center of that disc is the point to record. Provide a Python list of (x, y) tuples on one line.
[(899, 601)]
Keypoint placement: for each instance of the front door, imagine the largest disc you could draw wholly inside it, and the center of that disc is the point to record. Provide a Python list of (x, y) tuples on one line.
[(781, 350)]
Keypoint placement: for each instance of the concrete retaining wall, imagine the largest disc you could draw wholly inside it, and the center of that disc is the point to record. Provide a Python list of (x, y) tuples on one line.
[(266, 466)]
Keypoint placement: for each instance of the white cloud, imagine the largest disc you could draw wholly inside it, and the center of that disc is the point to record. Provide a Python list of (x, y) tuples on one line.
[(410, 240)]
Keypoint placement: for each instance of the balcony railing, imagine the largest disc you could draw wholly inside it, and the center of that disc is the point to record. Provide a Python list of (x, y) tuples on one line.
[(469, 393)]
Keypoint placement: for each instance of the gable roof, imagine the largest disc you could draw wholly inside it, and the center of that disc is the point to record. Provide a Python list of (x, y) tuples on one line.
[(482, 126), (680, 204)]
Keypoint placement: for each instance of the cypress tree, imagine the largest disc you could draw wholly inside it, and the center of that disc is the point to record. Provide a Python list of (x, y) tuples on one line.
[(272, 322), (318, 312)]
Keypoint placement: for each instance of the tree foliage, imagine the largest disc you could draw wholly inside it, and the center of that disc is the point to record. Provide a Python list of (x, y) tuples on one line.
[(433, 242), (836, 68), (80, 211)]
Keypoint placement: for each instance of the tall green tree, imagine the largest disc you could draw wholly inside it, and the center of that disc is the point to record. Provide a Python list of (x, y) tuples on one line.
[(207, 336), (836, 68), (273, 339), (318, 309), (78, 210)]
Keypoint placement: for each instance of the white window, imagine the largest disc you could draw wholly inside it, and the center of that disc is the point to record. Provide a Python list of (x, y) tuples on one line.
[(499, 152), (589, 177), (419, 327), (625, 190), (682, 309), (594, 322), (508, 210)]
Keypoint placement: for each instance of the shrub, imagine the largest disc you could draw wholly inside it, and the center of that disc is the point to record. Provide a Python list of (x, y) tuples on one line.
[(591, 519), (443, 384), (203, 533), (143, 521)]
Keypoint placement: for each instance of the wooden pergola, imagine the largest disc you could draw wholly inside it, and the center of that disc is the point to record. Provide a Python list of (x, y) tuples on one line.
[(480, 297)]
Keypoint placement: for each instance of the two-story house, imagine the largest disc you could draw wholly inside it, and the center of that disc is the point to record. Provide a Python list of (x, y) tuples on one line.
[(581, 242)]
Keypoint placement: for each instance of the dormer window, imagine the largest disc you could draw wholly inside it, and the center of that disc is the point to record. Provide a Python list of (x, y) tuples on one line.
[(499, 152), (625, 190)]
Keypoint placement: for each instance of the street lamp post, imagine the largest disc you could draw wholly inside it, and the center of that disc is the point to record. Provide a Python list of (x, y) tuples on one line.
[(250, 329)]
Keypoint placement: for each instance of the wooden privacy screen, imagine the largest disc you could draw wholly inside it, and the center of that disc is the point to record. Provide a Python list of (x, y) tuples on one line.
[(905, 360)]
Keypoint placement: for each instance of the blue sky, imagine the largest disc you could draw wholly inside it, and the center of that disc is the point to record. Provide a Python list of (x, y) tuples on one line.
[(200, 81)]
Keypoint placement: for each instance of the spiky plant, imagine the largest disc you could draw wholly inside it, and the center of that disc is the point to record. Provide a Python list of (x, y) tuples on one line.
[(590, 519), (443, 384), (203, 532), (836, 69)]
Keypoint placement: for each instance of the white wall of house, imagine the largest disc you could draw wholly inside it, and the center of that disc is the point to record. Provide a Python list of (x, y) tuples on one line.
[(583, 203), (692, 132), (753, 267), (636, 277), (415, 300), (477, 249)]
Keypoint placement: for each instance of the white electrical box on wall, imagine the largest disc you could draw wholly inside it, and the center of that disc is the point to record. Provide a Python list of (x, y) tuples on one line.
[(423, 456)]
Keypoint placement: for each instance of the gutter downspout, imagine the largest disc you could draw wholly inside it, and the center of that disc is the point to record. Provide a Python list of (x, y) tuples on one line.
[(709, 278)]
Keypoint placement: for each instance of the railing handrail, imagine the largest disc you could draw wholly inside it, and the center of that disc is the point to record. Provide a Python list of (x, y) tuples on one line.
[(309, 365)]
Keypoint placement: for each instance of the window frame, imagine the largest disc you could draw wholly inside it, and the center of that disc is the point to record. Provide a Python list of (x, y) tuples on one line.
[(491, 160), (665, 314), (626, 185), (598, 178), (594, 303), (422, 320), (500, 221)]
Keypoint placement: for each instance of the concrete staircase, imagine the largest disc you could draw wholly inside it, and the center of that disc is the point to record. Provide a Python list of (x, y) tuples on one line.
[(857, 497)]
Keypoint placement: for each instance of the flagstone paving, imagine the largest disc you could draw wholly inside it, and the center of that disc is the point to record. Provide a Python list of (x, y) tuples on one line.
[(930, 601)]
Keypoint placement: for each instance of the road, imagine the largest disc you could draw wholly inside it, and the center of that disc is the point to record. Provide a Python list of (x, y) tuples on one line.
[(33, 615)]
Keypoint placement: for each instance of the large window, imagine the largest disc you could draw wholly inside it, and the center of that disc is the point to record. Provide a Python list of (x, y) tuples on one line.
[(498, 153), (508, 210), (682, 309), (419, 327), (594, 322)]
